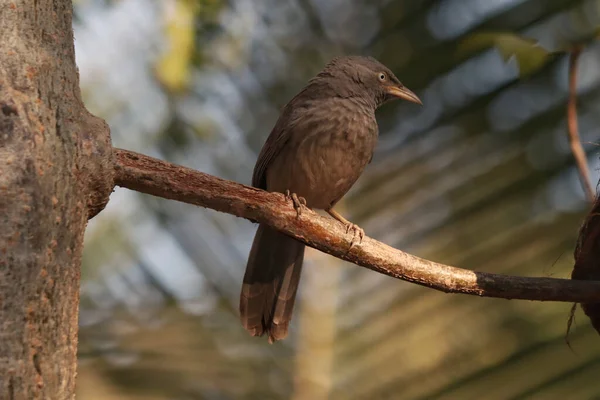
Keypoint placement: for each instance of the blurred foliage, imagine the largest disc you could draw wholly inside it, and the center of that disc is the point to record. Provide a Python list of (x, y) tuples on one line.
[(480, 177), (528, 53), (182, 18), (173, 68)]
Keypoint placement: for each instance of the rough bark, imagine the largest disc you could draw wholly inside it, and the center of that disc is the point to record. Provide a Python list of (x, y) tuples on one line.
[(587, 260), (55, 171)]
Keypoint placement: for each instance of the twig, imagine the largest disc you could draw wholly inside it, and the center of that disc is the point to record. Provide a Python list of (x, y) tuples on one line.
[(574, 140), (570, 324), (149, 175)]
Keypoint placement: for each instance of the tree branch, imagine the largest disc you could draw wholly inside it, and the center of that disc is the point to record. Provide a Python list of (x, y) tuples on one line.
[(574, 139), (149, 175)]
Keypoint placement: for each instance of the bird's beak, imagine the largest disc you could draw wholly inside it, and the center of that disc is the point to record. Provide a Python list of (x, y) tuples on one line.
[(402, 92)]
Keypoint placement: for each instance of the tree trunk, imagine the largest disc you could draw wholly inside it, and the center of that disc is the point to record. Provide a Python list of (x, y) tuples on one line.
[(55, 171)]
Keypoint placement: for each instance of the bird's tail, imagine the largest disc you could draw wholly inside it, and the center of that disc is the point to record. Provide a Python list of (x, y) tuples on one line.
[(270, 283)]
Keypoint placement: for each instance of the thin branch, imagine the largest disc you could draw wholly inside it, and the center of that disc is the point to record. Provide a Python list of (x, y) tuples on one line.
[(149, 175), (574, 139)]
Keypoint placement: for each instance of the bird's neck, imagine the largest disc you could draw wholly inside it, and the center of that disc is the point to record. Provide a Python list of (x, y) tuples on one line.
[(327, 87)]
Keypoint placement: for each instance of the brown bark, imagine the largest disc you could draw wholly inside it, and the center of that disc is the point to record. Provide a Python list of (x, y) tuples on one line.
[(587, 261), (55, 171), (149, 175)]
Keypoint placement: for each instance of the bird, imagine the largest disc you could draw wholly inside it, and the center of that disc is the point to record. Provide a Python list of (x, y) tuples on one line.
[(322, 141)]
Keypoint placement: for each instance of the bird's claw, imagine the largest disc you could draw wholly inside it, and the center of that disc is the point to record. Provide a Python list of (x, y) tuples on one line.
[(357, 232), (298, 202)]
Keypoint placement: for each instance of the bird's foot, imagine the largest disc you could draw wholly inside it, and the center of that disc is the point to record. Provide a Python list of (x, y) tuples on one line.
[(299, 202), (358, 233)]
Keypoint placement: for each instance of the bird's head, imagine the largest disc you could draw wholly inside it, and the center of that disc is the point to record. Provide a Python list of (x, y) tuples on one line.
[(365, 76)]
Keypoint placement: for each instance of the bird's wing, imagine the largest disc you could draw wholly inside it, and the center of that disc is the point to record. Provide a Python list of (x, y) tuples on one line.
[(281, 133), (275, 142), (291, 118)]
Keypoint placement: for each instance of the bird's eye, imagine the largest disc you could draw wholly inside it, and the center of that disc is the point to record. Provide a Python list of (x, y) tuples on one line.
[(382, 76)]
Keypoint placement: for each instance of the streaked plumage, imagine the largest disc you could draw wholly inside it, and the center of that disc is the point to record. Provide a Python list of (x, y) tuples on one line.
[(320, 145)]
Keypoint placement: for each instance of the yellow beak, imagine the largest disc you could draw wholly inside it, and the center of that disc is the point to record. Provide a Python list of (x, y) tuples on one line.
[(404, 93)]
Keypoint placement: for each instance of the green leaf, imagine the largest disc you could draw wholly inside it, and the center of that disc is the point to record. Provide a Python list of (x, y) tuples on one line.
[(530, 56)]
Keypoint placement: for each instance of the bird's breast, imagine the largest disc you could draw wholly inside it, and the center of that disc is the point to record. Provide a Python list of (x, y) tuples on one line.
[(326, 153)]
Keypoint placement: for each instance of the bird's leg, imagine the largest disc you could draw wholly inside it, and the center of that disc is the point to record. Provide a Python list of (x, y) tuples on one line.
[(357, 230), (299, 202)]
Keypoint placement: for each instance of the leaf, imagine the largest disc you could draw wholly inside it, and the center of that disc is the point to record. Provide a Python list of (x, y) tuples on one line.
[(530, 56), (173, 68)]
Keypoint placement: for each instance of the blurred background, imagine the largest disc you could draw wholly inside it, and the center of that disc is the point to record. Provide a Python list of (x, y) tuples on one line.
[(480, 177)]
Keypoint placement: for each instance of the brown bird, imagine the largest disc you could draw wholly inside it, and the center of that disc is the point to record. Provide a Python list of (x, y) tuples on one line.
[(322, 142)]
